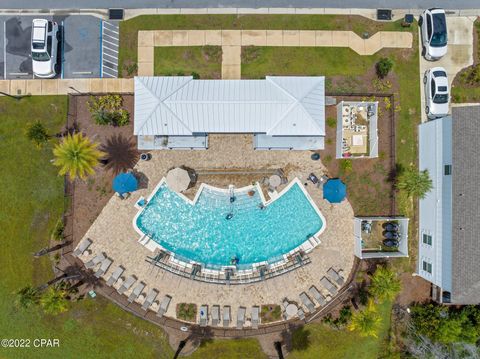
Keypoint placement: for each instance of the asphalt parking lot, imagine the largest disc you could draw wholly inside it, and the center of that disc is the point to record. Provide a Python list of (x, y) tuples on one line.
[(79, 48)]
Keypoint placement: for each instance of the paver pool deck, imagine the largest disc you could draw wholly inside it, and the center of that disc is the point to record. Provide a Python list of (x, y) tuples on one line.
[(113, 231)]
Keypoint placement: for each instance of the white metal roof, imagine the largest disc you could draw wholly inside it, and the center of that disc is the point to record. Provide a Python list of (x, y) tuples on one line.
[(277, 106)]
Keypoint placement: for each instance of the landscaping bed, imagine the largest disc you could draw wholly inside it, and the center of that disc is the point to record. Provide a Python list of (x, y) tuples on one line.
[(187, 312), (270, 313)]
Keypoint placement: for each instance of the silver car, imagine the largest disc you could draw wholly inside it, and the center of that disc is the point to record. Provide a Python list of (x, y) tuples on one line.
[(437, 97), (433, 26), (45, 37)]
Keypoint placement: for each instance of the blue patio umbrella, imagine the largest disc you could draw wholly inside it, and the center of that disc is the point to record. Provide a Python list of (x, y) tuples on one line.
[(125, 182), (334, 191)]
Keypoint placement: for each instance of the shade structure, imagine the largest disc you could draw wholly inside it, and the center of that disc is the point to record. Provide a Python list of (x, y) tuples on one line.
[(178, 179), (334, 190), (124, 183)]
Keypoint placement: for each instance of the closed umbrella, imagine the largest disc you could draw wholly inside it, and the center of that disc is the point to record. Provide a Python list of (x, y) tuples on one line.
[(334, 190), (178, 179)]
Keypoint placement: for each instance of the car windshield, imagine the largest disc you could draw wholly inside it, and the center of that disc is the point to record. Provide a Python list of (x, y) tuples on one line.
[(40, 56), (439, 73), (38, 45), (439, 37), (440, 98)]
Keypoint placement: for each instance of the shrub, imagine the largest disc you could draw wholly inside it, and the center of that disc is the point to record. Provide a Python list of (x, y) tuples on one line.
[(58, 230), (331, 122), (37, 133), (107, 110), (383, 67), (346, 165), (187, 311), (195, 75)]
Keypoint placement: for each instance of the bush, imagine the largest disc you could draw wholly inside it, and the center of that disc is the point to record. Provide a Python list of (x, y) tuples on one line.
[(383, 67), (58, 231), (346, 165), (331, 122), (107, 110), (37, 133), (195, 75), (187, 311)]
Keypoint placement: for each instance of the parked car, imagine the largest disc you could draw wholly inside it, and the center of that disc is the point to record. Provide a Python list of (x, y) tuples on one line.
[(45, 38), (437, 96), (433, 26)]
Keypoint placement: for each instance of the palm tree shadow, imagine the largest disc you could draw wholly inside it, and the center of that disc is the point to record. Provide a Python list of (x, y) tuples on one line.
[(121, 154)]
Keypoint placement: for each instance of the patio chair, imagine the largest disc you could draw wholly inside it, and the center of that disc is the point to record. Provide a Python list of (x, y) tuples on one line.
[(115, 275), (241, 317), (215, 315), (203, 315), (127, 284), (319, 297), (255, 317), (335, 276), (329, 286), (103, 268), (136, 292), (82, 247), (95, 260), (226, 316), (164, 306), (150, 298), (301, 314), (307, 302)]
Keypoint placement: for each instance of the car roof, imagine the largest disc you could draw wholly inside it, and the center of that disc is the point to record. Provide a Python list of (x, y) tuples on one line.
[(39, 29)]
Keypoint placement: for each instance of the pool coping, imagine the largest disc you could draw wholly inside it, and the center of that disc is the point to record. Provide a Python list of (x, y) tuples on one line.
[(306, 246)]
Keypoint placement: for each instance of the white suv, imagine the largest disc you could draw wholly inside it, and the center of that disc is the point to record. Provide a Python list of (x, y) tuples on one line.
[(433, 25), (45, 36), (436, 92)]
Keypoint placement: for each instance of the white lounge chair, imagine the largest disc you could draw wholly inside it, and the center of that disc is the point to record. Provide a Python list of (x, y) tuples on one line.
[(203, 315), (103, 267), (115, 275), (336, 276), (226, 316), (215, 315), (307, 302), (95, 260), (241, 317), (164, 306), (136, 292), (82, 247), (329, 286), (127, 284), (255, 317), (319, 297), (150, 298)]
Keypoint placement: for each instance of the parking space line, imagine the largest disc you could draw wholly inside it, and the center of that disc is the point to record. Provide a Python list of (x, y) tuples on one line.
[(101, 47), (110, 45), (4, 50), (109, 42), (106, 54), (114, 38), (62, 50)]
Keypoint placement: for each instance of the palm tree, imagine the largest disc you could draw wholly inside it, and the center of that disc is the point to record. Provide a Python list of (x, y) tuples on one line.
[(37, 133), (54, 300), (366, 321), (76, 156), (415, 183), (27, 296), (385, 284)]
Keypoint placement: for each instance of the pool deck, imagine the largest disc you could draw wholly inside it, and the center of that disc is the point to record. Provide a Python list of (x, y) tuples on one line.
[(113, 232)]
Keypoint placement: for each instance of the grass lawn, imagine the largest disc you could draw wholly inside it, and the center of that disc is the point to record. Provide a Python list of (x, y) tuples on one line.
[(321, 341), (129, 29), (31, 194), (466, 86), (231, 349), (206, 61)]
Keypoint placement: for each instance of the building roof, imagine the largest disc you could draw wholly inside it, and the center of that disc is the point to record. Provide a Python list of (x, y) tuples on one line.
[(466, 205), (276, 106)]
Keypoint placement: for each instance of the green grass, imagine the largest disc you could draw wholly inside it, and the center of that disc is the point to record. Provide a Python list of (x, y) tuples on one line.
[(231, 349), (129, 29), (321, 341), (31, 194), (206, 61)]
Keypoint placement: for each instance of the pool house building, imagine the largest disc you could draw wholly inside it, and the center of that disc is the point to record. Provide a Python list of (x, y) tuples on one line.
[(179, 112)]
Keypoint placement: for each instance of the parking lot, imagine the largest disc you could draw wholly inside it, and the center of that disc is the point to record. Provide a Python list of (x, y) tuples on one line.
[(80, 46)]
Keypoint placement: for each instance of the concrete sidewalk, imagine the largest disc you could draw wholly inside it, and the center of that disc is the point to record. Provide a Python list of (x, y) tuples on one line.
[(232, 41)]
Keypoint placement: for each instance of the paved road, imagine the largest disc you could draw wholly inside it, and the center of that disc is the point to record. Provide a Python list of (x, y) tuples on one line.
[(139, 4)]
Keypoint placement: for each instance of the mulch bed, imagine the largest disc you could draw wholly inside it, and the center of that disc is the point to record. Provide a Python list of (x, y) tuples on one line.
[(90, 196)]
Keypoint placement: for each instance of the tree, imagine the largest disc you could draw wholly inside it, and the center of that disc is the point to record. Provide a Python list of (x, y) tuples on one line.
[(37, 133), (27, 297), (54, 300), (76, 156), (385, 284), (415, 183), (383, 67), (366, 321)]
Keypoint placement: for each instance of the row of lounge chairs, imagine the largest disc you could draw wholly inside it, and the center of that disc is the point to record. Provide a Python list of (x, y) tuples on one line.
[(226, 320)]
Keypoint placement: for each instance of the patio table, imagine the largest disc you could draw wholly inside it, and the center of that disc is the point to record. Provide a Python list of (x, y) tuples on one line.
[(275, 181), (291, 310)]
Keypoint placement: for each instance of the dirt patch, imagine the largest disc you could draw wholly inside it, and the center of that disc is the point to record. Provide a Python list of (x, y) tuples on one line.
[(90, 196), (415, 289)]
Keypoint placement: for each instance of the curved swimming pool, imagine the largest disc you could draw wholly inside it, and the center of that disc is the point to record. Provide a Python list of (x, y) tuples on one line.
[(213, 229)]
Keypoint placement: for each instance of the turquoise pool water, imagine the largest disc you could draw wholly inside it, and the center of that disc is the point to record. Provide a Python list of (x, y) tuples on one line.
[(202, 232)]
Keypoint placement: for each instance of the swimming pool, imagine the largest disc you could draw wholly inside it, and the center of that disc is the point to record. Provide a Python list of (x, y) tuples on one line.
[(213, 230)]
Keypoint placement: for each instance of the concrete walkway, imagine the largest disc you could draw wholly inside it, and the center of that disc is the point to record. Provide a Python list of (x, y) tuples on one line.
[(232, 41)]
